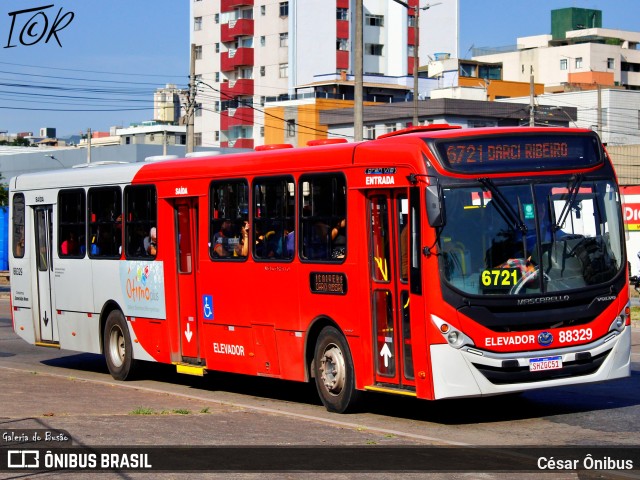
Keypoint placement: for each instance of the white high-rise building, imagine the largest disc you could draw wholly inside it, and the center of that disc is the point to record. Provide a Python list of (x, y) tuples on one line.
[(249, 50)]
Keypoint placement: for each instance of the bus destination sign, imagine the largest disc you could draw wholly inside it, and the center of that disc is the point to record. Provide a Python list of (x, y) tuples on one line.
[(519, 152), (471, 153), (328, 283)]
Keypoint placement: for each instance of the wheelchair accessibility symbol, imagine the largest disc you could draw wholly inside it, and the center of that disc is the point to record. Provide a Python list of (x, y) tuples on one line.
[(207, 307)]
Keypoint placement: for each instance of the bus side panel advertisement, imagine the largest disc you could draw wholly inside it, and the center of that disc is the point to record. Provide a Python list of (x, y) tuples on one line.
[(143, 288)]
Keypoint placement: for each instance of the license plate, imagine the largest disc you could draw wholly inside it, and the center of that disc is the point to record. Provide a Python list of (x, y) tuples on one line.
[(545, 363)]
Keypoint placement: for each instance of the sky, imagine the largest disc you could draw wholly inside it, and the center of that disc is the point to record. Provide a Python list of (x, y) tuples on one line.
[(113, 54)]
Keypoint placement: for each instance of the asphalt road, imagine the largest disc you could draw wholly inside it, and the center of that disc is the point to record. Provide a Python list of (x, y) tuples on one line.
[(54, 390)]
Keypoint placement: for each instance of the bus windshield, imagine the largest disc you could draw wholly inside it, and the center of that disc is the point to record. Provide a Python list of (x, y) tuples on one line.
[(522, 239)]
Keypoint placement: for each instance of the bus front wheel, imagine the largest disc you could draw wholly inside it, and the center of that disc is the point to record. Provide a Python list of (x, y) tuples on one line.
[(334, 372), (117, 346)]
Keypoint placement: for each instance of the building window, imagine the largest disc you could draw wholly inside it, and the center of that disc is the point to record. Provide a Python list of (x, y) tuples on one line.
[(197, 23), (263, 99), (563, 64), (263, 41), (198, 110), (284, 39), (217, 45), (370, 132), (216, 136), (291, 128), (373, 49), (262, 132), (197, 139), (390, 127), (262, 71), (578, 62), (198, 52), (374, 20), (263, 10), (217, 77), (284, 70), (216, 18), (410, 50), (411, 21), (611, 63), (342, 14), (342, 44), (284, 9)]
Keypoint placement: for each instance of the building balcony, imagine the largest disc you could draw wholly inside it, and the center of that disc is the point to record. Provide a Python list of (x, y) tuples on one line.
[(342, 29), (411, 36), (230, 5), (237, 88), (236, 28), (234, 117), (238, 143), (239, 57), (342, 60)]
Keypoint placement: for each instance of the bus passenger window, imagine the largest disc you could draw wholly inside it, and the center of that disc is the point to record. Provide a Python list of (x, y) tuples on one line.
[(105, 224), (229, 226), (18, 225), (72, 223), (323, 220), (141, 216), (273, 218)]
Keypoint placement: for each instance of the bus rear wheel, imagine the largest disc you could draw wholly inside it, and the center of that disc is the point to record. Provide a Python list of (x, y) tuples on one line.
[(334, 372), (117, 347)]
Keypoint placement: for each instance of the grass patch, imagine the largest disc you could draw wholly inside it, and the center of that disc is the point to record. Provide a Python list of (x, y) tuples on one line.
[(142, 411), (182, 411)]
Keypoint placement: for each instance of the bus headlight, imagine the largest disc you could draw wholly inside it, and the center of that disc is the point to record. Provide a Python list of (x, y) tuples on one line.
[(454, 337), (622, 320)]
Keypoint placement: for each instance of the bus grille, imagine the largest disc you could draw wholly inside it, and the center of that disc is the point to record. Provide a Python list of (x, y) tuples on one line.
[(506, 376)]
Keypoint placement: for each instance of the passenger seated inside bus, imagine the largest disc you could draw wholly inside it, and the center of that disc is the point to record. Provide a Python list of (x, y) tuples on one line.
[(227, 244), (70, 245), (150, 242), (339, 239)]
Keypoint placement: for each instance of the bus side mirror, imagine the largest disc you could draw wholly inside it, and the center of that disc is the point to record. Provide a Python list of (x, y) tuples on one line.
[(435, 210)]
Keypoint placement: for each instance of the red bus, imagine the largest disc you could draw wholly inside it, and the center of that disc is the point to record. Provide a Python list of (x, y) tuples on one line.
[(433, 262)]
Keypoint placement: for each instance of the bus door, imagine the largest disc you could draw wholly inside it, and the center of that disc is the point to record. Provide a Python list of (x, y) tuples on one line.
[(44, 267), (389, 232), (186, 214)]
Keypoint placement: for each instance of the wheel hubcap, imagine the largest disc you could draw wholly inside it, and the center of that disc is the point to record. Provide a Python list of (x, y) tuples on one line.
[(332, 369), (117, 348)]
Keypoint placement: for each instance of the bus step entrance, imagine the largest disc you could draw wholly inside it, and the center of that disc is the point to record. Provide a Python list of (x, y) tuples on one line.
[(48, 344), (190, 369)]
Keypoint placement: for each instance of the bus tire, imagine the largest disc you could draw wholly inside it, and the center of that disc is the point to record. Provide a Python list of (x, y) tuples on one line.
[(117, 347), (334, 372)]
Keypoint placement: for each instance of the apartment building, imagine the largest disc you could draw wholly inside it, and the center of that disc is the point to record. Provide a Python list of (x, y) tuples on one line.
[(577, 54), (249, 50)]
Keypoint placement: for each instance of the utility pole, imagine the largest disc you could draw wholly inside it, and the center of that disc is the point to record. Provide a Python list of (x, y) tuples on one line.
[(164, 142), (191, 100), (416, 56), (88, 145), (358, 107), (532, 108), (599, 112)]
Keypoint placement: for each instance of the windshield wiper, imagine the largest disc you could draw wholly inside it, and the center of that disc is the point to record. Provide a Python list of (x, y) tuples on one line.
[(568, 205), (507, 211)]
